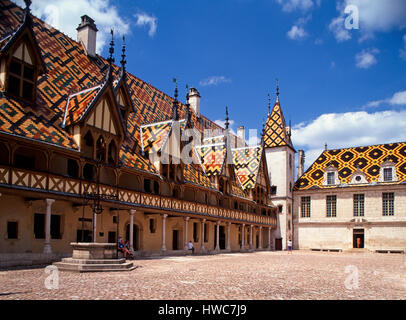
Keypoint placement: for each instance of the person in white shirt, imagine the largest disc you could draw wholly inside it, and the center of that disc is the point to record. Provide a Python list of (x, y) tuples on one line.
[(290, 246), (190, 247)]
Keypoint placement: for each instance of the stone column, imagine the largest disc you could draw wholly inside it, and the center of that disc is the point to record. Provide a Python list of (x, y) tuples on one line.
[(94, 227), (47, 246), (186, 233), (164, 216), (243, 237), (218, 236), (269, 238), (260, 238), (132, 213), (229, 236), (251, 231), (202, 248)]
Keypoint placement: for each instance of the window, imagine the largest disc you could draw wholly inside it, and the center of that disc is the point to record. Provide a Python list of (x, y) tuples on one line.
[(206, 237), (156, 187), (387, 174), (73, 169), (359, 205), (273, 190), (305, 207), (280, 207), (56, 227), (39, 226), (101, 149), (21, 78), (331, 178), (331, 206), (147, 185), (152, 225), (12, 230), (388, 204)]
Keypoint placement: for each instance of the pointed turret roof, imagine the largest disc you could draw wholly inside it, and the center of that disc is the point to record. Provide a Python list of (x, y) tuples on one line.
[(276, 134)]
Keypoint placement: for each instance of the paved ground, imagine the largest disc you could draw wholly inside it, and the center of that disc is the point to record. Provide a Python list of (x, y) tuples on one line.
[(262, 276)]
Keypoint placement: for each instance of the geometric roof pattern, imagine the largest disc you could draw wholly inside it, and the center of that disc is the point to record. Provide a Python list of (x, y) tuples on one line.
[(212, 158), (154, 136), (276, 133), (63, 97), (246, 165), (368, 160)]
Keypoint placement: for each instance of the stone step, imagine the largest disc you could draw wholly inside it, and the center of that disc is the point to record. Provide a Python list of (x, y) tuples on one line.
[(88, 261), (129, 266)]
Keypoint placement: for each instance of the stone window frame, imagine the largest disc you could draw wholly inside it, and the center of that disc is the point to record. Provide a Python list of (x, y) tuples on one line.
[(359, 205), (388, 165), (331, 211), (331, 169), (358, 173), (388, 204), (305, 206)]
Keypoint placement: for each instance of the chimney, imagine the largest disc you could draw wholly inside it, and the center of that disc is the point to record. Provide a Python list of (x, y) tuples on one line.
[(87, 35), (302, 159), (194, 100), (241, 136)]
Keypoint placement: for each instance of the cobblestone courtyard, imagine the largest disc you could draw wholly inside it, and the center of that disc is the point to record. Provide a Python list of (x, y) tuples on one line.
[(262, 276)]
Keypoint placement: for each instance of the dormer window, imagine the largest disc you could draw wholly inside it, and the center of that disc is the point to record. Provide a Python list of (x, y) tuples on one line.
[(22, 74), (331, 177), (387, 174)]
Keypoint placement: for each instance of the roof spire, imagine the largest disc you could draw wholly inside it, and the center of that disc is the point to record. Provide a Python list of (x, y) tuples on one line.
[(277, 90), (269, 104), (227, 119), (175, 102), (123, 56), (27, 6), (188, 115), (111, 59)]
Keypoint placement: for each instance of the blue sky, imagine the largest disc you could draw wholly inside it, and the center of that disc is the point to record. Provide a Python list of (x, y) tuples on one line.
[(343, 87)]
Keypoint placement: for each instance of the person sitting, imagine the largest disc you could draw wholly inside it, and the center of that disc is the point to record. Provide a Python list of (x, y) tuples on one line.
[(124, 249)]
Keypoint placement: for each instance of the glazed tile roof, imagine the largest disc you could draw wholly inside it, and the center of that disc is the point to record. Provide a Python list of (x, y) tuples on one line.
[(276, 133), (247, 164), (195, 175), (212, 158), (78, 104), (368, 160)]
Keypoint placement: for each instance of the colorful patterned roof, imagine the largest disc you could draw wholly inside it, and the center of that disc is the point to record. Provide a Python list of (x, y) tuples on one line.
[(247, 164), (276, 133), (79, 103), (15, 120), (214, 140), (70, 71), (367, 159), (154, 136), (212, 158)]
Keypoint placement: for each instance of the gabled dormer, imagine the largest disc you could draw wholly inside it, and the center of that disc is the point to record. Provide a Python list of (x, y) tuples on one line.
[(21, 62), (124, 101), (93, 117)]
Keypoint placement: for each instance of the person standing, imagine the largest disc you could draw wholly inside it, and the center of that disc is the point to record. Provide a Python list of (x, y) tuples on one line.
[(191, 247), (290, 246)]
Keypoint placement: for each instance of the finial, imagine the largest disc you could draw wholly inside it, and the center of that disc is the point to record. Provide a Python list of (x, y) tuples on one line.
[(263, 126), (277, 90), (123, 56), (326, 147), (269, 104), (187, 95), (176, 88), (227, 119), (111, 59), (28, 5)]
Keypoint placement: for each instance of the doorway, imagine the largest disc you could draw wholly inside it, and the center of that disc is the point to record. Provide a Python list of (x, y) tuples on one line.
[(278, 244), (359, 238), (175, 238), (222, 238), (135, 236)]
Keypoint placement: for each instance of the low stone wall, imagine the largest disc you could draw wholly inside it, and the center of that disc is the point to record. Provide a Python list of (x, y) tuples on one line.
[(8, 260)]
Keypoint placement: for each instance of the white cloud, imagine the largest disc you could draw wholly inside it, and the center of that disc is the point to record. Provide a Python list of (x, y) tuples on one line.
[(374, 16), (214, 81), (366, 58), (343, 130), (292, 5), (398, 99), (403, 51), (297, 33), (144, 19), (337, 27), (65, 16)]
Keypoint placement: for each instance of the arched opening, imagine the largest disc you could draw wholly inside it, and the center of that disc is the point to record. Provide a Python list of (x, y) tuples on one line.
[(112, 158), (221, 185), (101, 149), (4, 154), (64, 166), (89, 172), (130, 181), (88, 145), (176, 193), (156, 187), (30, 159), (147, 185)]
